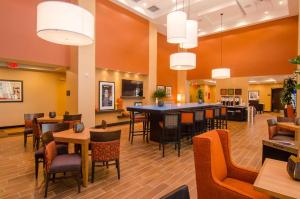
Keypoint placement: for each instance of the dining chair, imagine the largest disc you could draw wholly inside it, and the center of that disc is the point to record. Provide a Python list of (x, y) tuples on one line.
[(170, 134), (224, 117), (66, 163), (72, 119), (105, 149), (28, 129), (277, 133), (143, 118), (187, 124), (209, 119), (199, 120), (46, 137)]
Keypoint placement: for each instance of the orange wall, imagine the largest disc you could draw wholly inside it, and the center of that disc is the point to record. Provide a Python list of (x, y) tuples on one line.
[(165, 76), (122, 39), (257, 50), (18, 39)]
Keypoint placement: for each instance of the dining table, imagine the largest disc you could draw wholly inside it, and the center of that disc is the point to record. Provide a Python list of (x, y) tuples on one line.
[(56, 119), (83, 138)]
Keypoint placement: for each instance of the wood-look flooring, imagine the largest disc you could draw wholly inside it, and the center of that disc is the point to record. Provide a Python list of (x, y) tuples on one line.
[(144, 173)]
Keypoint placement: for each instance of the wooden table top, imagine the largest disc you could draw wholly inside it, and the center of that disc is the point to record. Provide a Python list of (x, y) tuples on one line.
[(274, 180), (289, 125), (288, 146), (78, 138), (48, 119)]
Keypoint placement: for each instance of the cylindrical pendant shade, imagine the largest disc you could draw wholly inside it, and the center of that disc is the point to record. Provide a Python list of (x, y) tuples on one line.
[(183, 61), (220, 73), (65, 23), (176, 27), (191, 35)]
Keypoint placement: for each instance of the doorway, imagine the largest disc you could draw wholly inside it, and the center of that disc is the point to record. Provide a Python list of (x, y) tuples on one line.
[(276, 104)]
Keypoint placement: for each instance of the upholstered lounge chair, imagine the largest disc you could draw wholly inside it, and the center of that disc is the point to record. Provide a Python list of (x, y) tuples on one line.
[(276, 133), (216, 175)]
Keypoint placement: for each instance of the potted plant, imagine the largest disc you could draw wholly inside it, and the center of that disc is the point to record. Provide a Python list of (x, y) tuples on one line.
[(160, 94), (200, 96), (286, 98), (297, 62)]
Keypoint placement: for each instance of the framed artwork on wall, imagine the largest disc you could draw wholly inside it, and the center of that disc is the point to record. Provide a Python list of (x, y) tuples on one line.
[(223, 91), (160, 87), (238, 91), (169, 91), (11, 91), (230, 91), (106, 95), (253, 95)]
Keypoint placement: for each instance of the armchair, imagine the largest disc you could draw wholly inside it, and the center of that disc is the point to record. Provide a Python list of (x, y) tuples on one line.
[(216, 175)]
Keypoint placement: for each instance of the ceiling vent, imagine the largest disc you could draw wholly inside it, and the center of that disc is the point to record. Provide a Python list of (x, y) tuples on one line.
[(136, 1), (153, 8)]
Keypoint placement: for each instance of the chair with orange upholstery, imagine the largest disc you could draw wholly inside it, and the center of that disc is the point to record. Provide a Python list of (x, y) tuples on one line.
[(216, 175), (209, 119)]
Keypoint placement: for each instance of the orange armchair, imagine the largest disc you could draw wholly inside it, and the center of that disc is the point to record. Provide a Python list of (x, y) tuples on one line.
[(216, 175)]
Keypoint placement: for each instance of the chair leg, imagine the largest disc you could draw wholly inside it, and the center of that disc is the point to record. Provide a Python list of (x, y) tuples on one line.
[(93, 170), (36, 167), (163, 147), (118, 167), (78, 179), (46, 184), (130, 127), (132, 133), (179, 148), (25, 139), (53, 178)]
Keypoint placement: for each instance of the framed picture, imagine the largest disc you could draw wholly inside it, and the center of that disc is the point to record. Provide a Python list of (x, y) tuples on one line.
[(138, 103), (230, 91), (238, 91), (106, 96), (169, 91), (253, 95), (159, 87), (11, 91), (223, 91)]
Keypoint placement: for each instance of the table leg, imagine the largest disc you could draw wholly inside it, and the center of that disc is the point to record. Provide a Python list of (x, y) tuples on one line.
[(85, 163)]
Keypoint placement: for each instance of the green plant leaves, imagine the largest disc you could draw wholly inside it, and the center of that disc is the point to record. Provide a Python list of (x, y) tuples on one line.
[(295, 60)]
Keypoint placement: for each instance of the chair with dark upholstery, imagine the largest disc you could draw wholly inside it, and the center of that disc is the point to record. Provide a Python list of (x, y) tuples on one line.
[(46, 137), (216, 175), (105, 149), (143, 118), (28, 130), (170, 131), (72, 119), (181, 192), (276, 133), (55, 163), (199, 120)]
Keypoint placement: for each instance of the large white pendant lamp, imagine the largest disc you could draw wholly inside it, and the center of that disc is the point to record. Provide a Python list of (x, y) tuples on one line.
[(176, 26), (183, 61), (191, 35), (65, 23), (222, 72)]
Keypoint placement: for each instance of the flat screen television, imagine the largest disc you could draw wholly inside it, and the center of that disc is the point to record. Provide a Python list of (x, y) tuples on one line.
[(132, 88)]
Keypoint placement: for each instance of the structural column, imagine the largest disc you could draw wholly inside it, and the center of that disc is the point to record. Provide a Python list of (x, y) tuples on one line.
[(152, 73), (182, 87), (298, 67), (86, 74)]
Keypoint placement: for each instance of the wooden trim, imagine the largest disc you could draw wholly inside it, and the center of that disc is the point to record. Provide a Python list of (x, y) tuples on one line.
[(9, 127), (114, 124)]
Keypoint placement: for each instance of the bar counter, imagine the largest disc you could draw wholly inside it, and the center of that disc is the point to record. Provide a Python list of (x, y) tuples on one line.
[(156, 113)]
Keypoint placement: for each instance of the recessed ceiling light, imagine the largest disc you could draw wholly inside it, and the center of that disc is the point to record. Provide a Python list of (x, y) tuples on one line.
[(280, 2), (145, 4), (251, 81), (241, 23), (266, 12)]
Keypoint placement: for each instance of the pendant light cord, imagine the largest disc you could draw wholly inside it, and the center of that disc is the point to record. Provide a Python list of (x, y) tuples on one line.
[(221, 39)]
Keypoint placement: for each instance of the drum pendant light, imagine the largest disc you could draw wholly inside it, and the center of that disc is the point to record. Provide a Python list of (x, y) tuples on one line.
[(65, 23), (191, 32), (183, 61), (223, 72), (176, 26)]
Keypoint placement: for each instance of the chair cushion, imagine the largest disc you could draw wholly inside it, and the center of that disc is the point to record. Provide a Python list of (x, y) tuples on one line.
[(28, 131), (286, 133), (187, 118), (39, 153), (245, 187), (282, 137), (61, 149), (66, 162)]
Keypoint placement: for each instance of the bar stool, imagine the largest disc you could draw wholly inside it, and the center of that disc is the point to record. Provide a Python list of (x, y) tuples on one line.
[(137, 118), (199, 121), (170, 132), (209, 119), (187, 122), (217, 117), (224, 118)]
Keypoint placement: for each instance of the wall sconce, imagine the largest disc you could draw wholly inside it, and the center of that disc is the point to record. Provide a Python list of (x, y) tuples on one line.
[(179, 98)]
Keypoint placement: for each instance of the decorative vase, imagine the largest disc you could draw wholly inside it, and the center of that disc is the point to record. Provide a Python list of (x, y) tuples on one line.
[(52, 114), (200, 101), (78, 127), (160, 103)]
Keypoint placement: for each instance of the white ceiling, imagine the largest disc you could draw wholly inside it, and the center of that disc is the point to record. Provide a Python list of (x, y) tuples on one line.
[(237, 13)]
